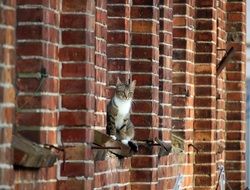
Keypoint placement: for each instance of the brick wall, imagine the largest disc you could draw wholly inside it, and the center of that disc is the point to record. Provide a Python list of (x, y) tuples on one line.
[(205, 97), (235, 93), (7, 90), (69, 54), (183, 83), (37, 83), (220, 87)]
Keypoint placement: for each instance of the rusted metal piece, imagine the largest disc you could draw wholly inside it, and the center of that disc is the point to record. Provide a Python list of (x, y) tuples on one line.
[(165, 148), (196, 149), (57, 151), (109, 147), (30, 154), (226, 58), (222, 177)]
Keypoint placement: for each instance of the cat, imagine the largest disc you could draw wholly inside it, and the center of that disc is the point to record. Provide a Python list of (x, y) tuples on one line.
[(119, 125)]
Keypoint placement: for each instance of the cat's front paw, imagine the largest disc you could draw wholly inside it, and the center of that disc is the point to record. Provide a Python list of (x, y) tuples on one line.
[(133, 146), (125, 141), (113, 137)]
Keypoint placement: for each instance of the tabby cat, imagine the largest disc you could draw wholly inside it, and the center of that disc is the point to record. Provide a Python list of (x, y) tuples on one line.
[(119, 125)]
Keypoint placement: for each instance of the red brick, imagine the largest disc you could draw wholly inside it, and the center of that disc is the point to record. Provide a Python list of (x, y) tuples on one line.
[(76, 119), (77, 70), (74, 184), (76, 21), (117, 24), (76, 54), (143, 176), (142, 12), (29, 15), (117, 52), (117, 37), (76, 102), (32, 85), (36, 119), (143, 26), (78, 37), (236, 17), (116, 11), (29, 32), (144, 2), (29, 49), (77, 5), (34, 102), (77, 135), (77, 169), (144, 162), (76, 86)]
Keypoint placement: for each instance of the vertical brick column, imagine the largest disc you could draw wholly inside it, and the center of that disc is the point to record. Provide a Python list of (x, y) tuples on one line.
[(118, 41), (220, 86), (165, 89), (205, 95), (235, 102), (183, 84), (77, 88), (37, 83), (165, 69), (145, 67), (100, 64), (7, 90)]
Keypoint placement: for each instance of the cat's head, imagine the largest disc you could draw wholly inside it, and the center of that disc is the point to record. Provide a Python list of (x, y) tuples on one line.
[(125, 91)]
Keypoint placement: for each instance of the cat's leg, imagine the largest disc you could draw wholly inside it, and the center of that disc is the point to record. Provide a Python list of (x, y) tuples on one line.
[(127, 134), (111, 129), (113, 137)]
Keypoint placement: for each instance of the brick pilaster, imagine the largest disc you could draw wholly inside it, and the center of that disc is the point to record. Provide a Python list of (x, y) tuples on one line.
[(165, 180), (236, 95), (183, 84), (118, 42), (220, 86), (145, 69), (7, 90), (205, 95), (100, 64), (77, 90), (37, 83)]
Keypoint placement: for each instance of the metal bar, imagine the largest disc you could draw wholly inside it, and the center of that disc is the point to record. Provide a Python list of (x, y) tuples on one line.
[(108, 147), (218, 180), (197, 150), (226, 58)]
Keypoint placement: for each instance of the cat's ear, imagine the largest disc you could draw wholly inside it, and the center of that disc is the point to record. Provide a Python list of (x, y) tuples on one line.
[(132, 85), (118, 81)]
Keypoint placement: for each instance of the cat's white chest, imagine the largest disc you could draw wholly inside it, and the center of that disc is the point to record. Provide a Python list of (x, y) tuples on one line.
[(123, 110)]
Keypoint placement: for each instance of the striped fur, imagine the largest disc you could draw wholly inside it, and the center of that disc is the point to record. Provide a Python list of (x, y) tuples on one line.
[(119, 124)]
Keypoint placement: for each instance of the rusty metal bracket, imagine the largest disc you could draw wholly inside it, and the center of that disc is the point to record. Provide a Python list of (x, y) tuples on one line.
[(165, 148), (51, 147), (97, 146), (222, 177), (226, 58), (196, 149)]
